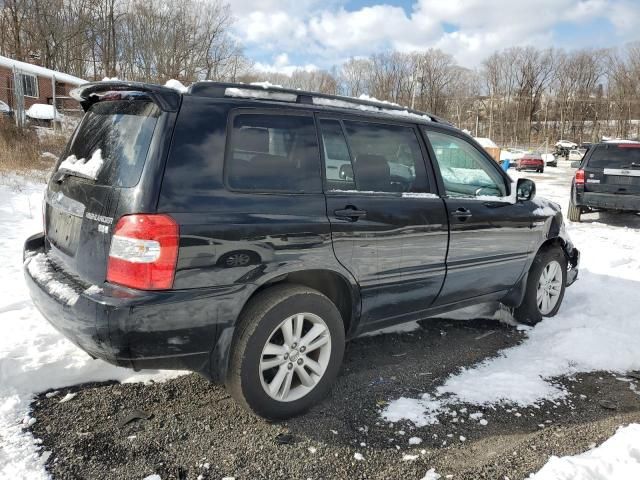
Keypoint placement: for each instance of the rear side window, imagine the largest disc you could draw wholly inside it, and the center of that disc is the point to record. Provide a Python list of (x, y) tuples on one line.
[(616, 156), (122, 131), (373, 157), (273, 153)]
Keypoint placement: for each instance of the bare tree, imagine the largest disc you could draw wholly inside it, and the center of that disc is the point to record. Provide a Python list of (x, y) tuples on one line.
[(355, 77)]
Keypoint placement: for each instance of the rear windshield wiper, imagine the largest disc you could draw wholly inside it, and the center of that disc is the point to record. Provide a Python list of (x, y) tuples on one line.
[(631, 165), (64, 173)]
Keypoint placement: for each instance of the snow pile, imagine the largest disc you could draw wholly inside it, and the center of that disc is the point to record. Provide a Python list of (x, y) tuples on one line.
[(545, 207), (421, 412), (485, 142), (595, 330), (42, 111), (338, 103), (364, 96), (176, 85), (41, 271), (266, 85), (85, 168), (431, 475), (260, 94), (33, 356), (617, 458)]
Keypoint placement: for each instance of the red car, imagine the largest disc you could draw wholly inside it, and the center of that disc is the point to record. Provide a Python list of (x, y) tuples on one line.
[(531, 161)]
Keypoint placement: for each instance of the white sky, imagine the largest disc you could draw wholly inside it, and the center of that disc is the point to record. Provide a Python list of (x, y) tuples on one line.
[(283, 35)]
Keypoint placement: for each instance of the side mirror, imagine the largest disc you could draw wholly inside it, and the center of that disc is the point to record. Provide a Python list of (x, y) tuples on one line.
[(526, 190), (345, 172), (575, 164)]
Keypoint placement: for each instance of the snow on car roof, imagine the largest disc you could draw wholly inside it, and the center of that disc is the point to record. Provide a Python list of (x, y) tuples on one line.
[(24, 67), (42, 111)]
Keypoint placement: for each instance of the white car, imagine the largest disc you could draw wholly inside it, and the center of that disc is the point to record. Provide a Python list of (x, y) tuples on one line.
[(566, 144), (576, 155), (512, 154)]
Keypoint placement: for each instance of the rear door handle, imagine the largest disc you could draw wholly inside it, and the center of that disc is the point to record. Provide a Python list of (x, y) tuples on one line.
[(462, 213), (350, 213)]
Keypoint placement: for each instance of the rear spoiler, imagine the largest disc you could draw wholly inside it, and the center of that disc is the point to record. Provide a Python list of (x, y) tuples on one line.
[(166, 98)]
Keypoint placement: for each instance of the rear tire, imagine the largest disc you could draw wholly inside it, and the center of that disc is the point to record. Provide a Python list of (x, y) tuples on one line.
[(267, 334), (574, 213), (545, 288)]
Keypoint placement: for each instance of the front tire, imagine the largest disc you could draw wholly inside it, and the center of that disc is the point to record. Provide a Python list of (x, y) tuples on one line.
[(287, 351), (545, 289)]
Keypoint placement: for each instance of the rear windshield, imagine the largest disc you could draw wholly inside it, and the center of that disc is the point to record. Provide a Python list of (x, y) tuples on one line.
[(616, 156), (122, 131)]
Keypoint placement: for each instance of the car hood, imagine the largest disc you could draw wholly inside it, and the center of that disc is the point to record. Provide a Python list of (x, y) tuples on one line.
[(545, 207)]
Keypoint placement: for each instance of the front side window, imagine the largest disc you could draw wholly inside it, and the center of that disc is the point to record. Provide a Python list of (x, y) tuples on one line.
[(273, 153), (465, 171), (378, 158), (29, 85)]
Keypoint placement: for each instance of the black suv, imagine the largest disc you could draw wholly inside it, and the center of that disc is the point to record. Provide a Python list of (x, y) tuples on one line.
[(608, 178), (245, 233)]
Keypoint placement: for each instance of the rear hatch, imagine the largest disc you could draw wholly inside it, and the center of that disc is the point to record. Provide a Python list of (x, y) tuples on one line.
[(614, 169), (103, 160)]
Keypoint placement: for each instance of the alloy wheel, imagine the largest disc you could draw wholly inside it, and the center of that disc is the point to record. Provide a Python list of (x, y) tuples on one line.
[(295, 357), (549, 287)]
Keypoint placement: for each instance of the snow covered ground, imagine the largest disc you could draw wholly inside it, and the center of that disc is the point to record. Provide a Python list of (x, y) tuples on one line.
[(595, 330), (33, 356), (617, 458)]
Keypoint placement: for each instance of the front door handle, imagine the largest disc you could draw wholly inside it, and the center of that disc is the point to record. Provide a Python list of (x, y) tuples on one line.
[(350, 213), (462, 214)]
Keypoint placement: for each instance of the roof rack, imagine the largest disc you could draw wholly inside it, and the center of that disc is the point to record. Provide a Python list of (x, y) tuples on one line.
[(280, 94)]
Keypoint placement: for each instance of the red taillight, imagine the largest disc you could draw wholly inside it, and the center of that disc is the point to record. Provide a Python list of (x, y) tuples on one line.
[(580, 177), (144, 250)]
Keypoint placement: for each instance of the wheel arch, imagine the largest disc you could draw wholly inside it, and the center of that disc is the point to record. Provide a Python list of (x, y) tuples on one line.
[(343, 292), (515, 296)]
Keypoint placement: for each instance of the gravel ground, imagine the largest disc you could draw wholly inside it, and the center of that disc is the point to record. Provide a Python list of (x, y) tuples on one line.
[(195, 430)]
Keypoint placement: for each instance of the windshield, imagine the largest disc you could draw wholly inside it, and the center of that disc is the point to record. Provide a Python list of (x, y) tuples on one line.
[(616, 156), (118, 133)]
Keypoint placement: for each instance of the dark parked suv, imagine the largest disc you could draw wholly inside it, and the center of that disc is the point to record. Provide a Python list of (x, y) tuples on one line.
[(245, 233), (608, 178)]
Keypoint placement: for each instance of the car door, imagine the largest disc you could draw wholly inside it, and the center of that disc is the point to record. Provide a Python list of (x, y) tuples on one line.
[(388, 227), (491, 234)]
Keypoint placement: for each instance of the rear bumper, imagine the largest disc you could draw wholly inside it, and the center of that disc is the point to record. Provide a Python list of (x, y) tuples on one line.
[(131, 328), (608, 201)]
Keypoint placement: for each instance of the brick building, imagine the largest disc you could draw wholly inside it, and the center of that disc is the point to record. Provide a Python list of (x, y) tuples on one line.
[(37, 84)]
